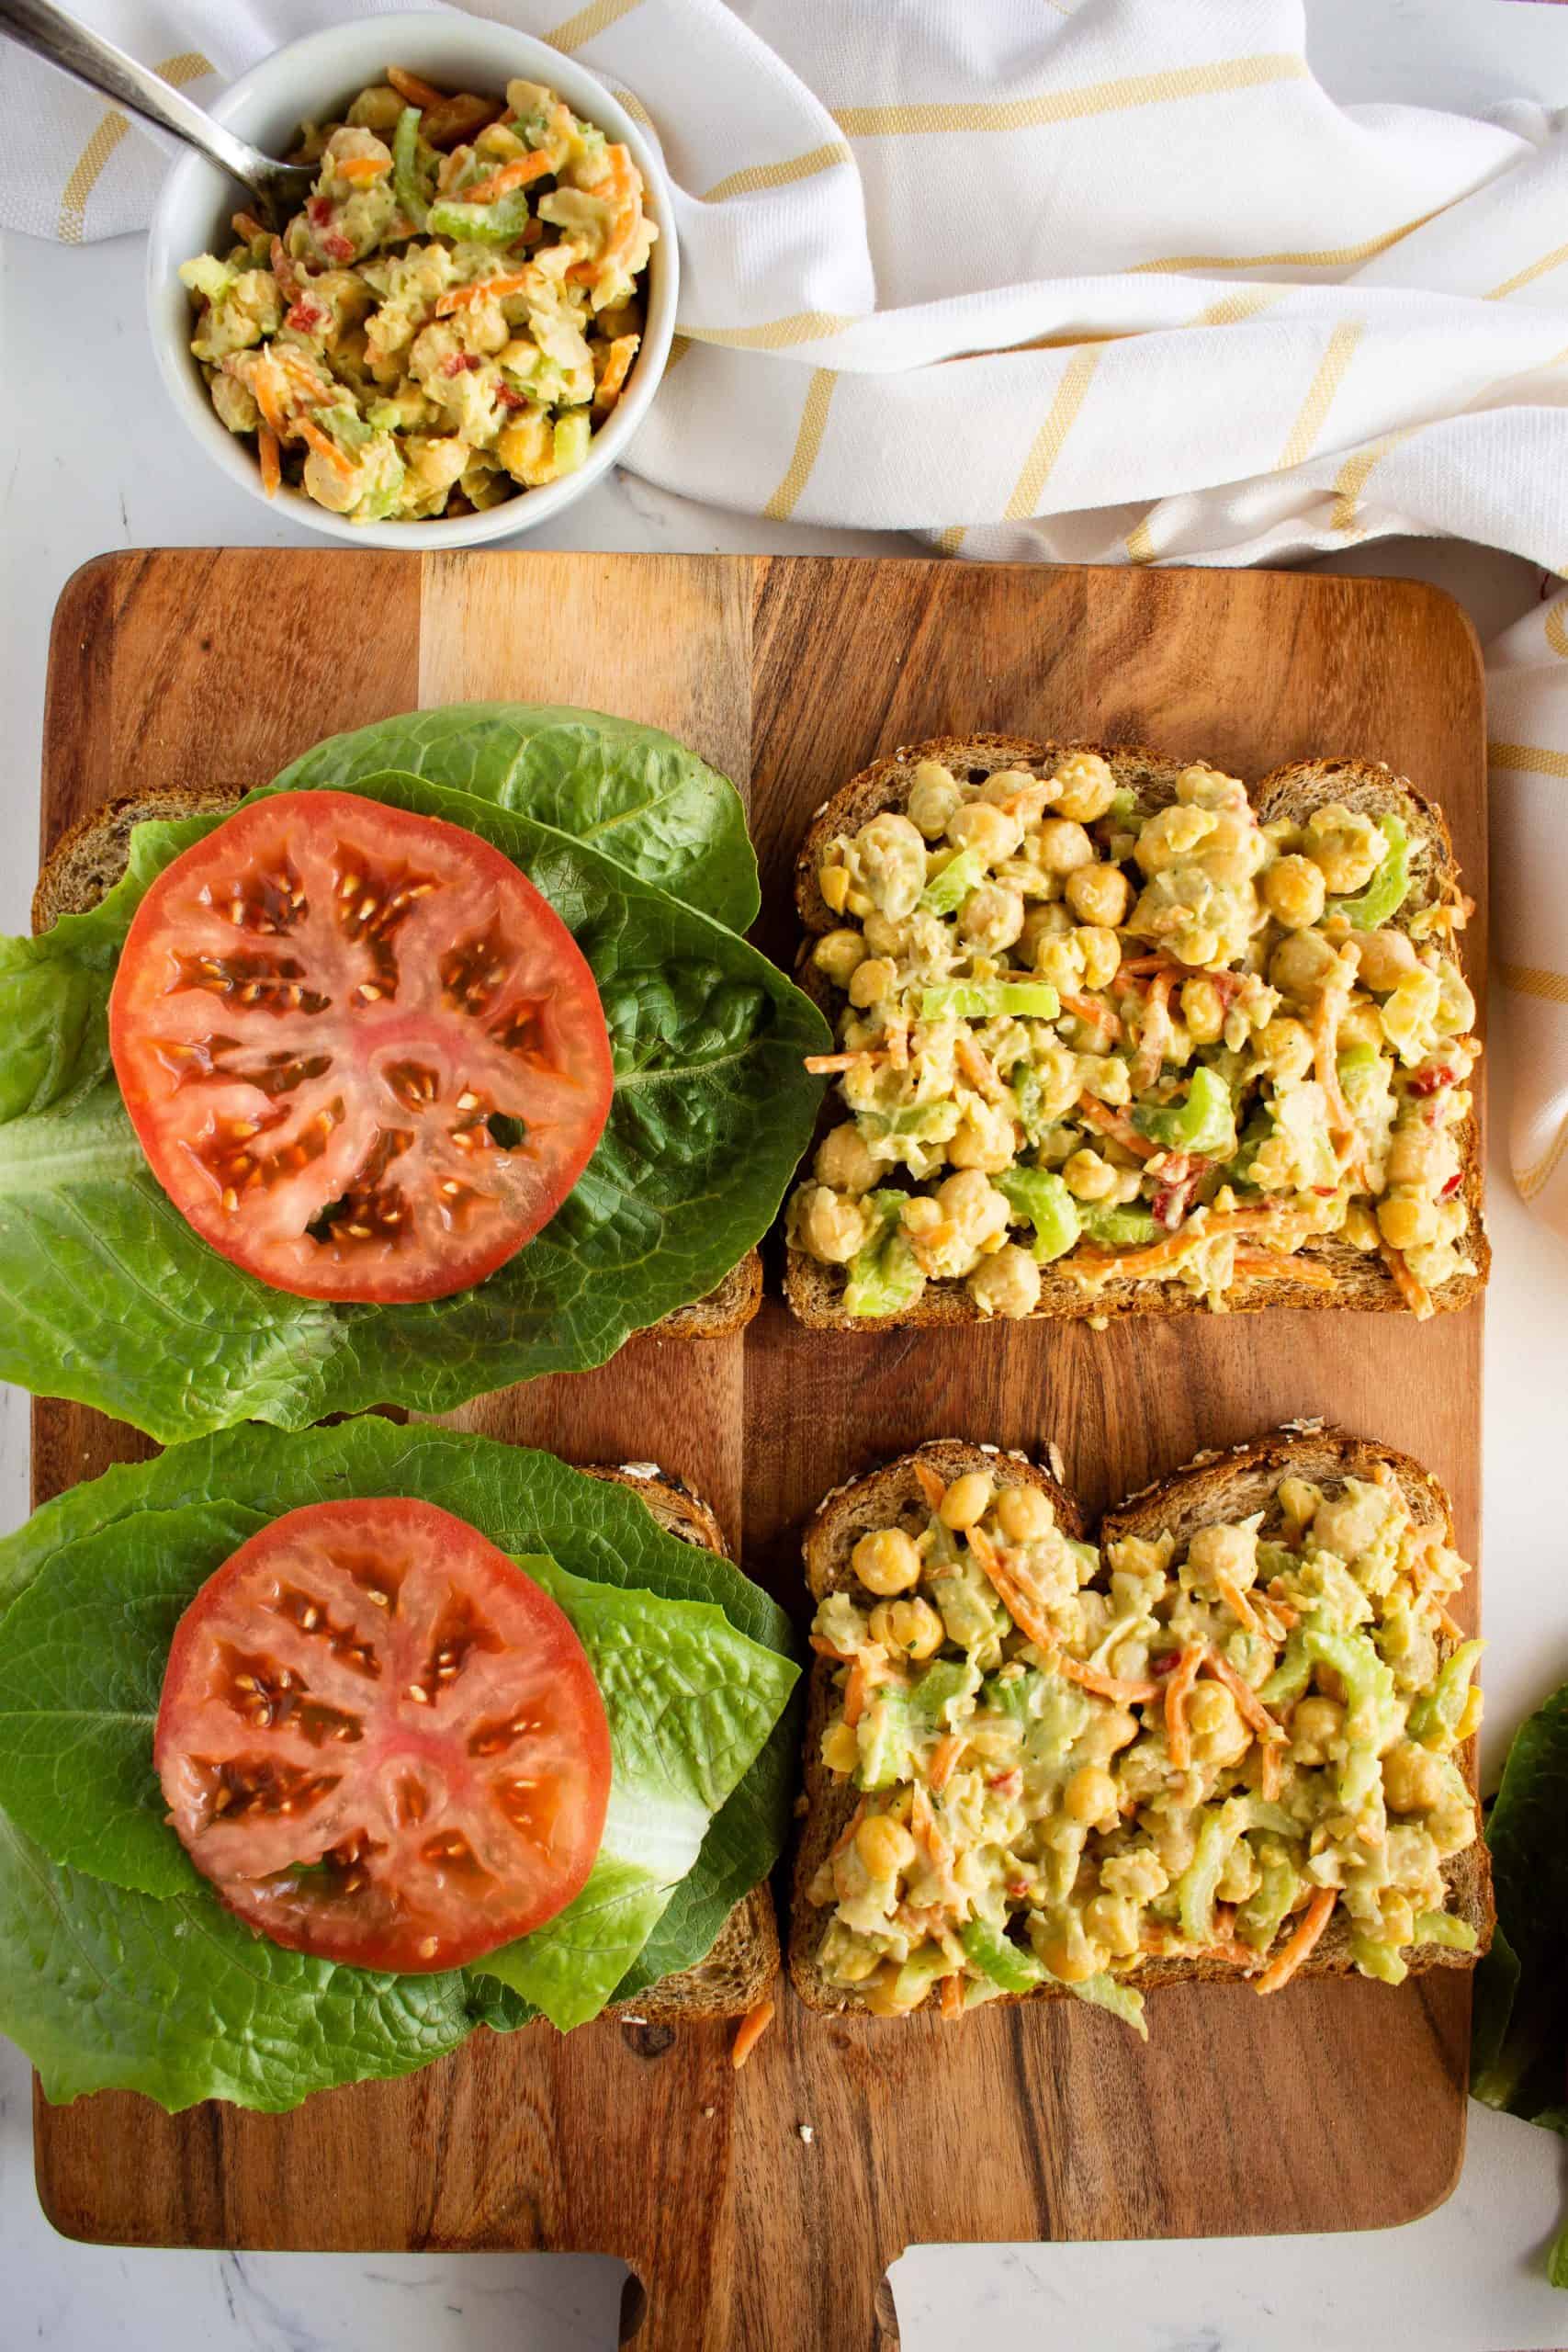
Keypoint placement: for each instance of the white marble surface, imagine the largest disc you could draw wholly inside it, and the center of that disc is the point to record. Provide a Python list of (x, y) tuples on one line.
[(92, 461)]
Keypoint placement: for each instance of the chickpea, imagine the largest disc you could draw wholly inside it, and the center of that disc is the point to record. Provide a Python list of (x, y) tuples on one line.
[(1203, 1011), (837, 953), (966, 1501), (1107, 1078), (892, 862), (853, 1967), (1107, 1731), (1315, 1726), (1057, 1071), (907, 1628), (1348, 848), (1386, 957), (1396, 1915), (1112, 1921), (883, 1845), (872, 981), (1025, 1514), (1088, 1176), (1198, 946), (829, 1228), (1413, 1778), (1020, 793), (975, 1207), (1293, 892), (882, 935), (992, 917), (1069, 1964), (1064, 847), (843, 1160), (1225, 1551), (1421, 1155), (1101, 952), (1098, 894), (1006, 1283), (1284, 1048), (1200, 787), (833, 881), (1219, 1736), (886, 1562), (1091, 1794), (1362, 1025), (984, 1138), (933, 798), (1088, 786), (840, 1749), (988, 831), (1171, 836), (1301, 964), (1407, 1221), (1453, 1821), (1298, 1498)]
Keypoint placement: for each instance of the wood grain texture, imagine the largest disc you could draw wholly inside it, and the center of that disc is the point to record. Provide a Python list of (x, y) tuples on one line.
[(1332, 2107)]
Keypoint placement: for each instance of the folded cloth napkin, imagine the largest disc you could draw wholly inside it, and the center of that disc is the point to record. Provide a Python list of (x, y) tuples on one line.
[(1093, 280)]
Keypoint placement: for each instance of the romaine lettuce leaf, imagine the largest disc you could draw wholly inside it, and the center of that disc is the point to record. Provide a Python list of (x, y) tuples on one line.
[(632, 791), (108, 1298)]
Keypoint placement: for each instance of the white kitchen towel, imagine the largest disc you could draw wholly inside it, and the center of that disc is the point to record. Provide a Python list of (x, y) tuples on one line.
[(1112, 281)]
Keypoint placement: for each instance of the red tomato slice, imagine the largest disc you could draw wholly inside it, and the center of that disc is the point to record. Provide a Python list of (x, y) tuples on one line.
[(381, 1741), (364, 1057)]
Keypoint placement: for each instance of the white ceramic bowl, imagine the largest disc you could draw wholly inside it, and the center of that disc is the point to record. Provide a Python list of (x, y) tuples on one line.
[(308, 79)]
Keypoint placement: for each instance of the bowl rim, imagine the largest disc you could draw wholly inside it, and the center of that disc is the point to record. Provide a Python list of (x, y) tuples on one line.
[(331, 52)]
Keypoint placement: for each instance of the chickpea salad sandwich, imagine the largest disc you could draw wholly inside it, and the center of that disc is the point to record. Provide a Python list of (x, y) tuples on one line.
[(1223, 1744), (450, 317), (319, 1751), (435, 1063), (1117, 1034)]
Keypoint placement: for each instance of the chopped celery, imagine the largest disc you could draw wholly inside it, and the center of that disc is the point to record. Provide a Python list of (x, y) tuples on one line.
[(208, 276), (991, 999), (1217, 1833), (1205, 1125), (572, 435), (1120, 1228), (1370, 1714), (410, 183), (1005, 1962), (1389, 888), (1041, 1196), (1012, 1695), (946, 891), (1260, 1916), (942, 1686), (500, 223), (1442, 1928), (926, 1966), (1293, 1674), (883, 1273), (885, 1734), (1374, 1958), (1434, 1720), (1104, 1992)]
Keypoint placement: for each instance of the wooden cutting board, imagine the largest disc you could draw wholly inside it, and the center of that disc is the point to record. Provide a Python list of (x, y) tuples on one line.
[(1333, 2106)]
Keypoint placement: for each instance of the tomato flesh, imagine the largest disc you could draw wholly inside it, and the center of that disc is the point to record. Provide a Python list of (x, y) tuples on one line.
[(364, 1057), (381, 1741)]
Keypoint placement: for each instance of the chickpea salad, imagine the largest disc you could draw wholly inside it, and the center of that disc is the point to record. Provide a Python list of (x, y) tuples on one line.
[(1071, 1764), (451, 317), (1176, 1046)]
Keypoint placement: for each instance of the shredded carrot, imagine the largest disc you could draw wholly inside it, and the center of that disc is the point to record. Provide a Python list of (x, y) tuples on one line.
[(1132, 1265), (841, 1841), (1135, 968), (857, 1690), (618, 367), (1314, 1918), (246, 226), (1097, 1015), (944, 1757), (267, 385), (924, 1831), (1178, 1739), (1250, 1705), (749, 2032), (952, 1998), (826, 1649), (326, 447), (1450, 1623), (409, 86), (820, 1065), (1020, 1604), (1415, 1294), (361, 169), (511, 282), (896, 1034), (1266, 1266), (1154, 1035), (303, 378), (1271, 1771), (1236, 1601), (510, 175), (932, 1487), (1096, 1114), (271, 469), (976, 1068), (1107, 1686), (1327, 1014)]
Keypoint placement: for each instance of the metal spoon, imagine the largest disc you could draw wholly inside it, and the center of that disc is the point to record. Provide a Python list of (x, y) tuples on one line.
[(38, 25)]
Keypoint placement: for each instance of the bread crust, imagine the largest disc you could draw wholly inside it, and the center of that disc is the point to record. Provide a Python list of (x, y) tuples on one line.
[(91, 856), (744, 1960), (1362, 1281), (1215, 1485)]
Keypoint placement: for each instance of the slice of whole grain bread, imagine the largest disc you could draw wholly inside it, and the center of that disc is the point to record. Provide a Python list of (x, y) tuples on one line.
[(91, 856), (1361, 1280), (1214, 1487), (744, 1960)]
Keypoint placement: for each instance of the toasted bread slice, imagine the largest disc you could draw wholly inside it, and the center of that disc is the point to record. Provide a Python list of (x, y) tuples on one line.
[(1362, 1280), (1215, 1486), (90, 858), (744, 1960)]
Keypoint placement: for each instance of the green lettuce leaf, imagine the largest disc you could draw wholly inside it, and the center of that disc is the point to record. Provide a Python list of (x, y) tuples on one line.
[(1520, 2059), (634, 792), (108, 1298), (107, 1990)]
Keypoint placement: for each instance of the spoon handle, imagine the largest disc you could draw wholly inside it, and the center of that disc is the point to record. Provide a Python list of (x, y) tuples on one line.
[(52, 35)]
